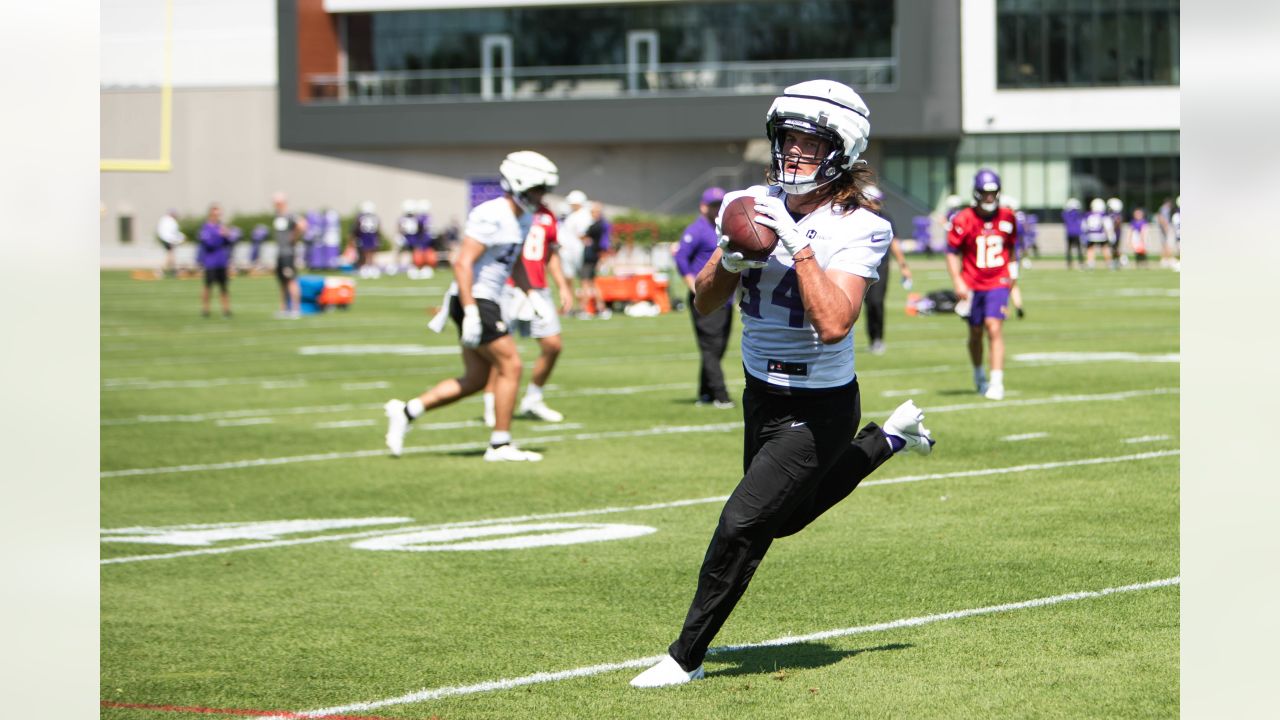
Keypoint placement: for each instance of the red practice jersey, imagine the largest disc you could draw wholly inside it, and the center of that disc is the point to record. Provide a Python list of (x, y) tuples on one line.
[(985, 247), (539, 244)]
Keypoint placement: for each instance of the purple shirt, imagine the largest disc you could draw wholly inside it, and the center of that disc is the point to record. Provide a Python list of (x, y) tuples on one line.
[(697, 245), (367, 230), (1073, 219), (423, 238), (215, 246)]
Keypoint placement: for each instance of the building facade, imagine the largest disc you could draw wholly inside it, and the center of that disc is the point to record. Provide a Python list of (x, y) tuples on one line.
[(642, 103)]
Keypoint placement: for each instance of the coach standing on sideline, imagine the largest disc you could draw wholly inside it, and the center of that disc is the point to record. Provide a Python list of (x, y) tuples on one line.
[(697, 244)]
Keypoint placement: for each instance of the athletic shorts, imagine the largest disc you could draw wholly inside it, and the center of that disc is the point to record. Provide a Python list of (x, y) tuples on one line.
[(216, 275), (588, 270), (285, 271), (492, 326), (1097, 241), (988, 304), (531, 314), (570, 260)]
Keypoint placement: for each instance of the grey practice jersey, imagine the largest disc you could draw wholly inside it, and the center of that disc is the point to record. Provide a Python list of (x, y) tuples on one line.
[(779, 344), (495, 225)]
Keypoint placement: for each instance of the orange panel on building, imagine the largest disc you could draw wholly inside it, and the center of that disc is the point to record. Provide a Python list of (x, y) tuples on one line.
[(318, 48)]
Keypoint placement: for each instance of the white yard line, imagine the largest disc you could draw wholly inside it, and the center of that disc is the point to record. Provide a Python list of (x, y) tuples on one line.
[(427, 694), (1025, 436), (634, 508), (649, 432)]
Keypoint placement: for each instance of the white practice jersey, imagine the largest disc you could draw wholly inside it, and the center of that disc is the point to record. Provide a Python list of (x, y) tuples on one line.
[(495, 225), (779, 343)]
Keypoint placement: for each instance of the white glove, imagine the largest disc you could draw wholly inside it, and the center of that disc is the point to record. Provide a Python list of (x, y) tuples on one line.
[(774, 215), (470, 326), (734, 261)]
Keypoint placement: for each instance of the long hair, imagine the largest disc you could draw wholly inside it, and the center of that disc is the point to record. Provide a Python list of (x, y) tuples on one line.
[(845, 193)]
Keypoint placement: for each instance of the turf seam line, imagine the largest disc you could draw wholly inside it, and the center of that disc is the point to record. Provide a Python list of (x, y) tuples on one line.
[(634, 508), (427, 694), (648, 432)]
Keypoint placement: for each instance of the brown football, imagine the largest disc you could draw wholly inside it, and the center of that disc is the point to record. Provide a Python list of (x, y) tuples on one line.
[(753, 240)]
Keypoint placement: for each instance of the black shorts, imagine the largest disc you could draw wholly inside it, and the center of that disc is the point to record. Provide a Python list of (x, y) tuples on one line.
[(216, 275), (285, 271), (588, 269), (491, 325)]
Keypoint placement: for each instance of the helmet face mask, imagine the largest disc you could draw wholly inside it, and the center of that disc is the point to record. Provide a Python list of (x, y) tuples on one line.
[(528, 176), (985, 182), (829, 111)]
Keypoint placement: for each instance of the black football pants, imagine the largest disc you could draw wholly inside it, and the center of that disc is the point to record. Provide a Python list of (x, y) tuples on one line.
[(800, 458), (712, 332)]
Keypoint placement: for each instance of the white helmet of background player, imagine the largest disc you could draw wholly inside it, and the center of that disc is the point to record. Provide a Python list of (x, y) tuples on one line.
[(526, 170), (1072, 204), (953, 202), (831, 111), (1115, 205), (1097, 205), (576, 198), (1012, 203)]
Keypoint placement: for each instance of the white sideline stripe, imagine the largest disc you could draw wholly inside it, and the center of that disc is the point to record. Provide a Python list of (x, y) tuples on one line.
[(653, 431), (546, 677), (345, 424), (633, 508), (1025, 436), (1146, 438), (245, 421)]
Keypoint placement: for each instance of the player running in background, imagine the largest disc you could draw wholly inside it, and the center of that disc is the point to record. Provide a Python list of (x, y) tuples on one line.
[(801, 401), (490, 246), (287, 230), (980, 250), (1139, 236), (527, 300)]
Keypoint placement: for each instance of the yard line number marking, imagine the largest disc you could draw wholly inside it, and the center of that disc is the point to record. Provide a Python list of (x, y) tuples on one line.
[(609, 510)]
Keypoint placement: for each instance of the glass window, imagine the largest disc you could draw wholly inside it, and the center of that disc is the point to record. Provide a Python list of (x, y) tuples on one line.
[(1056, 43)]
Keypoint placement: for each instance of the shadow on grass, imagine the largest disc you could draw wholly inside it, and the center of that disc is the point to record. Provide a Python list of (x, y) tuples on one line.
[(967, 391), (757, 661)]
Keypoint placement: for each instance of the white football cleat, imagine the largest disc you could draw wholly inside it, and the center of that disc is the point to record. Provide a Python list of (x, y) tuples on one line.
[(510, 453), (397, 426), (994, 391), (665, 673), (907, 422), (540, 411)]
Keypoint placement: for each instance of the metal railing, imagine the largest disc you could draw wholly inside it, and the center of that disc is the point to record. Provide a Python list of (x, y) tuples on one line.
[(592, 81)]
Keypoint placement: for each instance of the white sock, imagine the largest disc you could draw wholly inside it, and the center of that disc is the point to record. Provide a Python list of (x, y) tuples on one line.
[(488, 403), (997, 377), (414, 408), (497, 438), (532, 394)]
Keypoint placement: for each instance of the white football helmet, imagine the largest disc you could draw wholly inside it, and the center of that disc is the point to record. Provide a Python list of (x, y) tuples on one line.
[(367, 207), (1012, 203), (829, 110), (1072, 204), (525, 170), (576, 197), (1115, 205), (1097, 205)]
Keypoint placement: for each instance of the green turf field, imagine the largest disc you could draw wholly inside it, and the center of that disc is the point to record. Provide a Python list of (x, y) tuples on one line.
[(944, 587)]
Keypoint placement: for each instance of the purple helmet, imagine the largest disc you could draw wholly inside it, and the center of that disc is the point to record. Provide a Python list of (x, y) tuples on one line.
[(984, 182)]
